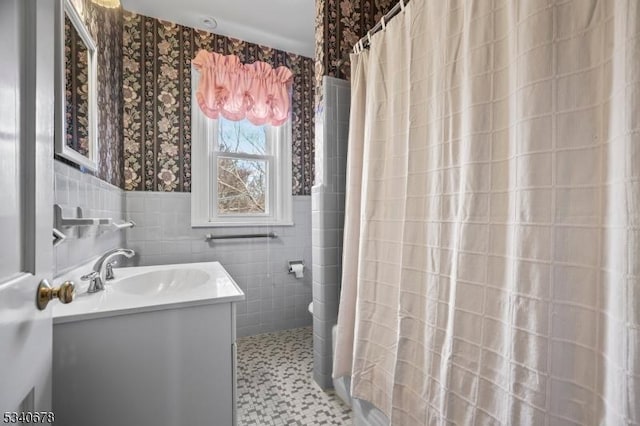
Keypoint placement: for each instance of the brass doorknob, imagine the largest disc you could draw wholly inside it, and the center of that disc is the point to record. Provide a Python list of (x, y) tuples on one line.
[(65, 293)]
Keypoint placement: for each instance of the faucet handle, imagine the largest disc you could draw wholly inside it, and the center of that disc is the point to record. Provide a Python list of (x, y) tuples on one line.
[(90, 276), (95, 282), (109, 270)]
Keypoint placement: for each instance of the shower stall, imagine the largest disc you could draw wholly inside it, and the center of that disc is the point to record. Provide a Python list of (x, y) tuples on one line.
[(489, 265)]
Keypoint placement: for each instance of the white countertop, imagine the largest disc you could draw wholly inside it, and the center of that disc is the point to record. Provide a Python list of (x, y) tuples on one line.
[(148, 288)]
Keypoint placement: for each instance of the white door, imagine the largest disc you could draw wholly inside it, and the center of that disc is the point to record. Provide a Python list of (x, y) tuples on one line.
[(26, 186)]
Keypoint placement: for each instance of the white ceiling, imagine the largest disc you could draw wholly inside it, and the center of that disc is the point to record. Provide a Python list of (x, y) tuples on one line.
[(283, 24)]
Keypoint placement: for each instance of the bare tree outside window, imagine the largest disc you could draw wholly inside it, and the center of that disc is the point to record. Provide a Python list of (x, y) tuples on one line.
[(242, 176)]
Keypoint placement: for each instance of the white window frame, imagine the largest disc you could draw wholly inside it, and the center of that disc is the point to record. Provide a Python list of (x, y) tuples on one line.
[(204, 161)]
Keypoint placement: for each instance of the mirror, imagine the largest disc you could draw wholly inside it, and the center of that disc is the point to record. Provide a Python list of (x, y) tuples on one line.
[(76, 79)]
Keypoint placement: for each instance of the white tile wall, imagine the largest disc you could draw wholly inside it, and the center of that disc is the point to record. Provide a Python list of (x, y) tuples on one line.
[(275, 299), (73, 189), (328, 220)]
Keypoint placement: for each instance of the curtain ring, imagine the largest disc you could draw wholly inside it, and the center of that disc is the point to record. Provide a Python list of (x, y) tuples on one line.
[(402, 5), (369, 37), (383, 23)]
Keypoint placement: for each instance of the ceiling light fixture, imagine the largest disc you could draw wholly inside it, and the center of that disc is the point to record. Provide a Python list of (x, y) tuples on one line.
[(210, 23), (110, 4)]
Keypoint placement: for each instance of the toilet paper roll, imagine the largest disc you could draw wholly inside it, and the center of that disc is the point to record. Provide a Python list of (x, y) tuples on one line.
[(297, 269)]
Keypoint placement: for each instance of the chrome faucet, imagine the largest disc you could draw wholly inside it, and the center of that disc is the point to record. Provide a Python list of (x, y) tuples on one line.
[(103, 269)]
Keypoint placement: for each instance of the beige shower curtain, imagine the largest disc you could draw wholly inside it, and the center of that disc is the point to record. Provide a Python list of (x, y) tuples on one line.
[(492, 230)]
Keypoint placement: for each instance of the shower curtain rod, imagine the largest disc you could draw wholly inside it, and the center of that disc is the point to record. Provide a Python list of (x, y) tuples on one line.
[(365, 41)]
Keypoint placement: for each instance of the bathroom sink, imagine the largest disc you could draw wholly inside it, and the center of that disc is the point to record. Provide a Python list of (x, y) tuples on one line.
[(131, 343), (148, 288), (153, 283)]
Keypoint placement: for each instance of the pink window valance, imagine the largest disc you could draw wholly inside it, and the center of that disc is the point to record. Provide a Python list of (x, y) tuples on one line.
[(234, 90)]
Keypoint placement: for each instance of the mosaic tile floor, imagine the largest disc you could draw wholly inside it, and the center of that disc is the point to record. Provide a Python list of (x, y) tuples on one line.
[(275, 386)]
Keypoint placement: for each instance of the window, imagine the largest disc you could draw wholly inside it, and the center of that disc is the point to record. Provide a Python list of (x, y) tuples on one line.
[(241, 173)]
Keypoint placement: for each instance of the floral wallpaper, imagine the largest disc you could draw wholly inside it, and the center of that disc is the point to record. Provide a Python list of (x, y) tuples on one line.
[(105, 26), (157, 102), (339, 25), (76, 70), (144, 94)]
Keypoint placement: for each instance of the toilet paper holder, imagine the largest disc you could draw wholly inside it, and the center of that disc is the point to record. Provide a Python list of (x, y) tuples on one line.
[(293, 263)]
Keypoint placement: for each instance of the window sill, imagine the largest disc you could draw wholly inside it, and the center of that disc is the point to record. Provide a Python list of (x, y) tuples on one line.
[(240, 224)]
